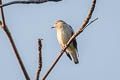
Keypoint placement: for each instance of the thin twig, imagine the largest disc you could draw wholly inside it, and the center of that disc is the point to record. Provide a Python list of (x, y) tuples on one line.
[(39, 59), (6, 30), (27, 2), (91, 22), (72, 38)]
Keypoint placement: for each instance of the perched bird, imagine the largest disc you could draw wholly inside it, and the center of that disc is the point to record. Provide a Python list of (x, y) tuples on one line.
[(64, 32)]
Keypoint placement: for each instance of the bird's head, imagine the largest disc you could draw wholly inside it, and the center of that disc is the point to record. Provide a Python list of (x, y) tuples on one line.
[(58, 24)]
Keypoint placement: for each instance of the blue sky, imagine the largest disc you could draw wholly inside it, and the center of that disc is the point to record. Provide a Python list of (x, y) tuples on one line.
[(98, 45)]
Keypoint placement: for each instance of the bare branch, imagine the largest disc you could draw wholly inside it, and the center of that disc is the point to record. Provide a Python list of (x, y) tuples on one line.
[(28, 2), (72, 38), (6, 30), (40, 59)]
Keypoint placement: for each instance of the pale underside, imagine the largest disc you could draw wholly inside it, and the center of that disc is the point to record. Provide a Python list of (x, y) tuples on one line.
[(63, 35)]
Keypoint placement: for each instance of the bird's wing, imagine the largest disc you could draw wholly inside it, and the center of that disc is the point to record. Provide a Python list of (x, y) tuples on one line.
[(68, 55), (74, 41)]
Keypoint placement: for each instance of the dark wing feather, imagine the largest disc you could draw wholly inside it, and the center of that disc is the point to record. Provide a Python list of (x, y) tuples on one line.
[(68, 55), (74, 41)]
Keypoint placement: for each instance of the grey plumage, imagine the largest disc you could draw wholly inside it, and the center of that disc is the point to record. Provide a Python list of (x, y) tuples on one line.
[(64, 32)]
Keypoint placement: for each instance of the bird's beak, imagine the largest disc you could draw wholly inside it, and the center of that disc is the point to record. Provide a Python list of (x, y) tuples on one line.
[(52, 27)]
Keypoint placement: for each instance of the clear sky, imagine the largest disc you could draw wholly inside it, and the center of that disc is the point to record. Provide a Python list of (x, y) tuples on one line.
[(98, 45)]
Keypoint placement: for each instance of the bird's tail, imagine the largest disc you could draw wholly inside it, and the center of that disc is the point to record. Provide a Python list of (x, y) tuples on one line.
[(71, 50), (74, 55)]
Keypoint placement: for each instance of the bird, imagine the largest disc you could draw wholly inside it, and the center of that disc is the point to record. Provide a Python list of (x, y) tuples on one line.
[(64, 33)]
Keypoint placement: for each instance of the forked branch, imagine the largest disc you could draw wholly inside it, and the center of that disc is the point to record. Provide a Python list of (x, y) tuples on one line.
[(6, 30), (84, 25)]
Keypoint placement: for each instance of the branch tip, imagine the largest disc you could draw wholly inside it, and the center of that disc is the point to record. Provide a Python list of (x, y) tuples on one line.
[(39, 59)]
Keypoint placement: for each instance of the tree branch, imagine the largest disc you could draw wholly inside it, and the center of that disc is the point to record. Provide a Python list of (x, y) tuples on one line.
[(28, 2), (72, 38), (6, 30), (40, 59)]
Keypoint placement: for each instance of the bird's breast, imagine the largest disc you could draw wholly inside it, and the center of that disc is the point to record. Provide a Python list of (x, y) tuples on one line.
[(62, 37)]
